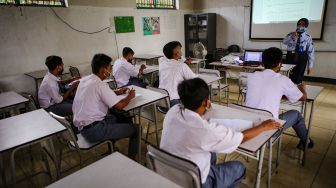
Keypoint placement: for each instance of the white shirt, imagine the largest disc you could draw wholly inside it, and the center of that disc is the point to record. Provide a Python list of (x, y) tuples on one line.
[(92, 100), (187, 135), (49, 92), (171, 73), (123, 70), (265, 90)]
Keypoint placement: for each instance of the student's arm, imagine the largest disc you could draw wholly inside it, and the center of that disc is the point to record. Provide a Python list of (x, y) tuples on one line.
[(264, 126), (124, 102), (69, 80), (70, 90), (311, 56), (121, 91), (187, 72), (302, 88)]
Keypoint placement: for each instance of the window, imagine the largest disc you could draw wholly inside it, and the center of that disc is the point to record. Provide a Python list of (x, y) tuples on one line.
[(156, 4), (49, 3)]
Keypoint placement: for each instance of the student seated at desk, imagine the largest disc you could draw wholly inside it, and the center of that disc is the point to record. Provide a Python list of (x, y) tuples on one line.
[(125, 73), (186, 134), (92, 102), (172, 70), (49, 92), (265, 90)]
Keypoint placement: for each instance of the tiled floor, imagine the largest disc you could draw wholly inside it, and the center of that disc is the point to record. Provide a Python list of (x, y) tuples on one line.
[(319, 171)]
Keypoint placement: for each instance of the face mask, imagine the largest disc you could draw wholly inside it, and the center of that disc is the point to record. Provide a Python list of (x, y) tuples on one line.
[(107, 75), (301, 29), (207, 113)]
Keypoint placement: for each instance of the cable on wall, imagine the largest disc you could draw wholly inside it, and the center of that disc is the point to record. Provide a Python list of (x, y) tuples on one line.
[(80, 31)]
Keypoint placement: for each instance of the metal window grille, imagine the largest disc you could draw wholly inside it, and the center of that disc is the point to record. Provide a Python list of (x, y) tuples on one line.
[(156, 4), (49, 3)]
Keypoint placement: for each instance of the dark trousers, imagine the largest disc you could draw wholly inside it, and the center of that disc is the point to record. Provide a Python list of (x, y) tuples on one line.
[(110, 128), (137, 82), (228, 174), (295, 120), (63, 108), (300, 60)]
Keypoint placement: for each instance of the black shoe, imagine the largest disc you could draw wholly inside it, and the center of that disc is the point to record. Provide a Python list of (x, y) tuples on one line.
[(301, 144)]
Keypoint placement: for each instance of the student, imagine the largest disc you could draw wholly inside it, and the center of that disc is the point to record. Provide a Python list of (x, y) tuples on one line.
[(265, 90), (186, 134), (300, 50), (49, 92), (172, 70), (92, 102), (125, 73)]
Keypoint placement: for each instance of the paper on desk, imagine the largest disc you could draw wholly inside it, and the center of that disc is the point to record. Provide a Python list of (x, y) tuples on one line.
[(238, 125), (125, 95)]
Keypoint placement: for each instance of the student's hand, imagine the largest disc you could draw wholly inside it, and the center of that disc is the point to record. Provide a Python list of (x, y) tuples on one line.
[(294, 34), (270, 124), (143, 66), (75, 78), (308, 71), (131, 93), (302, 87), (74, 85), (187, 61), (123, 90)]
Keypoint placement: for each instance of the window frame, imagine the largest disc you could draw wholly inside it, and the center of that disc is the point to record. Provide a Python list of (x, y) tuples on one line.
[(64, 3), (154, 5)]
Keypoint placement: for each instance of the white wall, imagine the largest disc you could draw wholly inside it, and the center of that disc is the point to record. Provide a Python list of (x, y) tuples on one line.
[(233, 28), (30, 35)]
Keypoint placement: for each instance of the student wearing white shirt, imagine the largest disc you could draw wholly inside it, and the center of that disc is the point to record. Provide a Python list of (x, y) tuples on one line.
[(265, 90), (125, 73), (92, 102), (172, 70), (186, 134), (49, 95)]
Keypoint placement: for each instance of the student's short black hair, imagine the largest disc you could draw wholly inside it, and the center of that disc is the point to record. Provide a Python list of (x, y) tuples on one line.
[(271, 57), (99, 61), (305, 20), (53, 61), (192, 92), (168, 49), (126, 51)]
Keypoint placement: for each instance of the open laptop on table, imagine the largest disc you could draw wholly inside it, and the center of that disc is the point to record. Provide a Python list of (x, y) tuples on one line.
[(253, 59)]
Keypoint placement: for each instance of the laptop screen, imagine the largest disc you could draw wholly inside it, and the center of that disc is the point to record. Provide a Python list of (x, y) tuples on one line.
[(253, 56)]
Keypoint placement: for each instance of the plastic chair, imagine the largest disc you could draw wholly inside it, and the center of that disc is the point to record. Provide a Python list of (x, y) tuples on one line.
[(74, 71), (181, 171)]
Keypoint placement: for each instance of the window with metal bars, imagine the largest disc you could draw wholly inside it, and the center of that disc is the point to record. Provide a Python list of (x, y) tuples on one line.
[(49, 3), (156, 4)]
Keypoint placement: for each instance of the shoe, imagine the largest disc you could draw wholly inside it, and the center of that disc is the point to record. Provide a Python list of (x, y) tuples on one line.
[(301, 144)]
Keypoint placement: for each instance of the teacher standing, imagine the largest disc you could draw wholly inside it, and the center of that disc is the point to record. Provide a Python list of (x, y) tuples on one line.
[(300, 51)]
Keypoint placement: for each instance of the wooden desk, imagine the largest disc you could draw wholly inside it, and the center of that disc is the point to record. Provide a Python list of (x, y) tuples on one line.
[(115, 171), (29, 128), (255, 147), (146, 97), (10, 99)]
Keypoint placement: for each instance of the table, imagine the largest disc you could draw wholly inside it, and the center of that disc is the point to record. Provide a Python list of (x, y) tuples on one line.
[(312, 93), (255, 147), (210, 80), (285, 69), (198, 63), (26, 129), (10, 99), (115, 171), (146, 98), (146, 57)]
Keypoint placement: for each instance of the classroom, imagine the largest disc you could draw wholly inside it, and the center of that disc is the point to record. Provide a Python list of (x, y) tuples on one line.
[(167, 93)]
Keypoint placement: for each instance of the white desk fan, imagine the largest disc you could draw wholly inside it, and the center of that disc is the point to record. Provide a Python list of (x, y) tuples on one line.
[(199, 51)]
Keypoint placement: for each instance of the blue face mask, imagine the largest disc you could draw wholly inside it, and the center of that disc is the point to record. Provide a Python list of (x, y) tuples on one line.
[(301, 29)]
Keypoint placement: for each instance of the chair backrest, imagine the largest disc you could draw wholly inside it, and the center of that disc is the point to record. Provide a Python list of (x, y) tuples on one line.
[(253, 110), (69, 135), (33, 104), (74, 71), (165, 103), (113, 83), (181, 171)]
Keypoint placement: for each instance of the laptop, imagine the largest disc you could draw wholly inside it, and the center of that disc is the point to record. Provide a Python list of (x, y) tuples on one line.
[(253, 59)]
